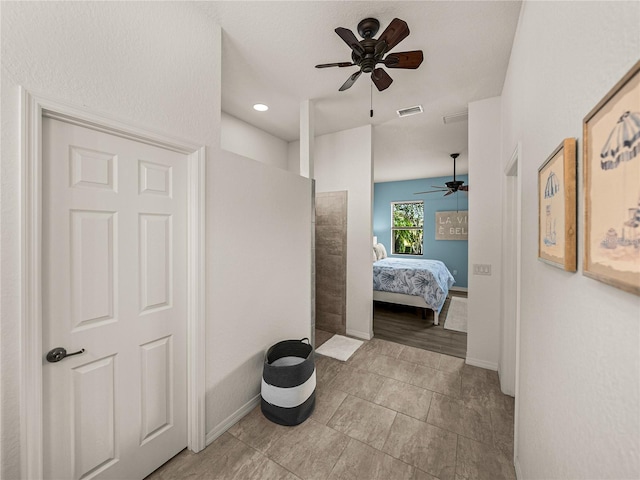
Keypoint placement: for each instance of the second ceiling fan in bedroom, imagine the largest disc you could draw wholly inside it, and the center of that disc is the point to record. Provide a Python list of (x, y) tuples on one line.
[(369, 52), (449, 187)]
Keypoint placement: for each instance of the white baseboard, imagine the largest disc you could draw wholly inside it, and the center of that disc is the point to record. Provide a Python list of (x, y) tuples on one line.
[(459, 289), (359, 334), (516, 464), (232, 419), (482, 363)]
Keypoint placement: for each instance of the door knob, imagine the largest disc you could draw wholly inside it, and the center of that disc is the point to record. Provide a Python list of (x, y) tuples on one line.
[(60, 353)]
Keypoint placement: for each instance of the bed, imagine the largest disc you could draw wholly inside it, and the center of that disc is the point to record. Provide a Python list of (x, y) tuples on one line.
[(415, 282)]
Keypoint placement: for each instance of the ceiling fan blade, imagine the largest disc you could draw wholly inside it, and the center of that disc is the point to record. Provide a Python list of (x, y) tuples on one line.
[(464, 188), (337, 64), (448, 193), (381, 79), (430, 191), (397, 31), (411, 59), (444, 189), (350, 39), (350, 81)]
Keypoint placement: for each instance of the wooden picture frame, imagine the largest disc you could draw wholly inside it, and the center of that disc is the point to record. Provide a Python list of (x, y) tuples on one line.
[(452, 225), (557, 207), (611, 136)]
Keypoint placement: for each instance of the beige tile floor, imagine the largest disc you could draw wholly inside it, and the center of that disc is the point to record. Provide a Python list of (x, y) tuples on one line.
[(390, 412)]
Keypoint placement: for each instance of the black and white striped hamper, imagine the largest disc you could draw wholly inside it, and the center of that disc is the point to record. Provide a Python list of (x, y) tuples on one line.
[(289, 382)]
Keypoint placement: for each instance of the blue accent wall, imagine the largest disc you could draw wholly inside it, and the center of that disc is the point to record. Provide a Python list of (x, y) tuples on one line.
[(454, 253)]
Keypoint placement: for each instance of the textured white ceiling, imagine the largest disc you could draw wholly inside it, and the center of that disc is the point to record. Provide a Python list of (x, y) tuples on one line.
[(269, 50)]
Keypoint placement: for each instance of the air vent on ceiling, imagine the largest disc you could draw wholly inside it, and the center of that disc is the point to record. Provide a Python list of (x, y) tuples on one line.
[(456, 117), (405, 112)]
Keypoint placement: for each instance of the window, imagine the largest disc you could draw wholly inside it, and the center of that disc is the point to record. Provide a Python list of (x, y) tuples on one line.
[(407, 227)]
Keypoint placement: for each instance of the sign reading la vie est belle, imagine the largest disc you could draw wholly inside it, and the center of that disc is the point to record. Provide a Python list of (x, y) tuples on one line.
[(452, 225)]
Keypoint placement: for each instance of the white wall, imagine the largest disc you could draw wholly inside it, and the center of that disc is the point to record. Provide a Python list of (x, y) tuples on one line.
[(244, 139), (485, 233), (260, 278), (109, 57), (579, 376), (156, 65), (293, 156), (343, 161)]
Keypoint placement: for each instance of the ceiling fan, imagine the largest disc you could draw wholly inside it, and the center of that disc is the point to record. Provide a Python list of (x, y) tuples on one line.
[(369, 52), (452, 186)]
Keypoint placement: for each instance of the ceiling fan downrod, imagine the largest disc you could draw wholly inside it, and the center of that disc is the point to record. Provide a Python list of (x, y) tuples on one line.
[(454, 184), (454, 156)]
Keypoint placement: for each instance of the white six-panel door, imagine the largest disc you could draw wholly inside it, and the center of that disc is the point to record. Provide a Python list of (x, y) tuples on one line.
[(114, 283)]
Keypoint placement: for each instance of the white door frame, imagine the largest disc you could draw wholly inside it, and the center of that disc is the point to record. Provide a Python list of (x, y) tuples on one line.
[(512, 281), (33, 109)]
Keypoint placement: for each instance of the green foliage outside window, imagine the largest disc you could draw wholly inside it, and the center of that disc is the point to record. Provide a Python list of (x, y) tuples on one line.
[(407, 230)]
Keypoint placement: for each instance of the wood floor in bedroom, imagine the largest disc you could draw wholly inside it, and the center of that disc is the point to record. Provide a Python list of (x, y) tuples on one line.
[(405, 325)]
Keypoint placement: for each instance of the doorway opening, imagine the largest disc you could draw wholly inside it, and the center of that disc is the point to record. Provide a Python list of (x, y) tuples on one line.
[(413, 326)]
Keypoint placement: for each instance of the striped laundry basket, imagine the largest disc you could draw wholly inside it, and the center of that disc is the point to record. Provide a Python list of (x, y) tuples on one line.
[(289, 382)]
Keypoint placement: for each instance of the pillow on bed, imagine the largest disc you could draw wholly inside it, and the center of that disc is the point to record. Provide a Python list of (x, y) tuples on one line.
[(381, 252), (375, 255)]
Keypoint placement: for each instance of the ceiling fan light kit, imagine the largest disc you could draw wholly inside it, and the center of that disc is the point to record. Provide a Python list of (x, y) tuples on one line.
[(369, 52), (451, 186)]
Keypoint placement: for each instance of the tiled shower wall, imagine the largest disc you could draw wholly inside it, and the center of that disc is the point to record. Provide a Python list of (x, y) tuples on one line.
[(331, 261)]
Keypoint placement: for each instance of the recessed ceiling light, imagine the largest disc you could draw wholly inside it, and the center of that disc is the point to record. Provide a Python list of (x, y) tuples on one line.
[(261, 107)]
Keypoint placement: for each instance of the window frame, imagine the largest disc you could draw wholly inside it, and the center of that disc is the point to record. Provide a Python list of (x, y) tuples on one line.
[(394, 228)]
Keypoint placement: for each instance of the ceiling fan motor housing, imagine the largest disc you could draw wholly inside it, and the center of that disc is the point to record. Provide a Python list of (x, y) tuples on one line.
[(454, 185), (368, 61)]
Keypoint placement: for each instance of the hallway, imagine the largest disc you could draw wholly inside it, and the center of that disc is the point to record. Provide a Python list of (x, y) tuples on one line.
[(390, 412)]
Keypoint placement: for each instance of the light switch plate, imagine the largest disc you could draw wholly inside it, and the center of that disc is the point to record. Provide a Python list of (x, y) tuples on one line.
[(481, 269)]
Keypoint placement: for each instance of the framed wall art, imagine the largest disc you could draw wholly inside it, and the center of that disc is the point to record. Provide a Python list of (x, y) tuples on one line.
[(557, 207), (611, 136), (452, 225)]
